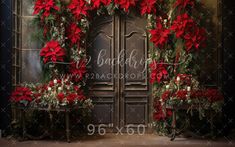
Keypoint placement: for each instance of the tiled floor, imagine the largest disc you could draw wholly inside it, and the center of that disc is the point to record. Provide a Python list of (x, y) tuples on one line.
[(112, 140)]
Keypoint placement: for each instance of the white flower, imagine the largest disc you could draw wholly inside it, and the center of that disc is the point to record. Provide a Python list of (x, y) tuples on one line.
[(178, 79), (55, 81), (60, 88), (188, 88), (167, 86), (49, 88), (165, 21)]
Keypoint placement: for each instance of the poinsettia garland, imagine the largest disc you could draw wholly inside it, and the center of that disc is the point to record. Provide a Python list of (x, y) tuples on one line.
[(67, 22), (175, 32)]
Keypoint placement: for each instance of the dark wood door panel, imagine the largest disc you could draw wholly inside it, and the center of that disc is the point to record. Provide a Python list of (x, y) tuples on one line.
[(122, 100), (135, 43), (101, 49), (104, 111), (102, 87), (134, 87)]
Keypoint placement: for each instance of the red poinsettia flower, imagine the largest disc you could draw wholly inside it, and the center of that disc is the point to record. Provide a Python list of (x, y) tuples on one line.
[(182, 24), (182, 4), (158, 71), (78, 8), (195, 39), (161, 114), (52, 52), (21, 94), (45, 6), (197, 94), (185, 27), (77, 70), (213, 95), (60, 96), (159, 35), (125, 4), (181, 94), (72, 97), (148, 7), (98, 3), (166, 95), (74, 33)]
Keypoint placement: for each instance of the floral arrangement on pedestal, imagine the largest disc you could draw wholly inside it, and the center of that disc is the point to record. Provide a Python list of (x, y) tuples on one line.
[(178, 37), (55, 94), (175, 29)]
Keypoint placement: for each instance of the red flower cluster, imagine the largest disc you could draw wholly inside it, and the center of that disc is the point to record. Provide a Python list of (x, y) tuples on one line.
[(51, 83), (185, 79), (158, 71), (98, 3), (45, 6), (182, 24), (182, 4), (185, 27), (78, 8), (148, 7), (166, 95), (21, 94), (159, 35), (125, 4), (197, 94), (71, 97), (52, 52), (181, 94), (77, 70), (38, 91), (74, 33), (60, 96), (195, 39), (160, 115), (213, 95)]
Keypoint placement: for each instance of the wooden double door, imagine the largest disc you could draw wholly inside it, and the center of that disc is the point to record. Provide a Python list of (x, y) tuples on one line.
[(118, 73)]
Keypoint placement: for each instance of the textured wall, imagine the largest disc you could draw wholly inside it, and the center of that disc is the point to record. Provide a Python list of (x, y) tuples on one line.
[(211, 62)]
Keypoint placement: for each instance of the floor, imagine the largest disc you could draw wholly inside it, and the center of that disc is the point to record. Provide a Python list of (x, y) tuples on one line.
[(112, 140)]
